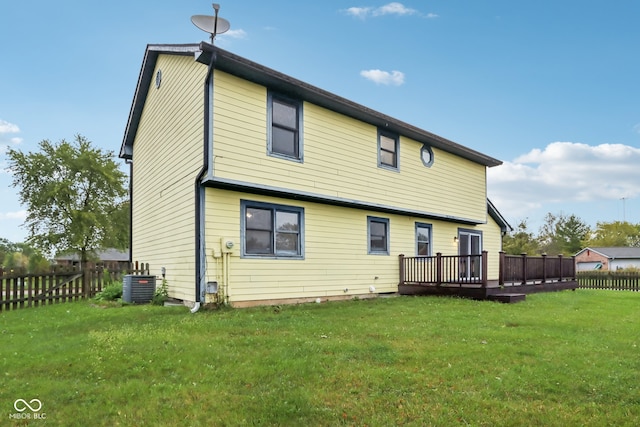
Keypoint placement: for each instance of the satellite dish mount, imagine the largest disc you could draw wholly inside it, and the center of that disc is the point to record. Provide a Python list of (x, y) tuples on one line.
[(213, 25)]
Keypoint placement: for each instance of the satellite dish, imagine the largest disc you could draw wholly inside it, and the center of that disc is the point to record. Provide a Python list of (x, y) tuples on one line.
[(208, 24)]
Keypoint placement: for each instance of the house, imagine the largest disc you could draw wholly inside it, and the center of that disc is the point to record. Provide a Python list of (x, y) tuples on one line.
[(611, 259), (111, 259), (251, 187)]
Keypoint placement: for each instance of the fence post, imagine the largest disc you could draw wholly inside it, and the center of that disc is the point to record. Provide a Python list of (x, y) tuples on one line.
[(524, 268), (401, 269), (439, 268), (544, 268), (560, 258)]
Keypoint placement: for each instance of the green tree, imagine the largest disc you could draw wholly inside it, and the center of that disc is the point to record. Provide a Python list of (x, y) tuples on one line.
[(73, 193), (520, 241), (6, 247), (16, 261), (561, 234), (617, 233)]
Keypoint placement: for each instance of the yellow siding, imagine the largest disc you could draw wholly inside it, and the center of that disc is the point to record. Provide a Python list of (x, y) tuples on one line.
[(492, 243), (336, 262), (166, 159), (340, 158)]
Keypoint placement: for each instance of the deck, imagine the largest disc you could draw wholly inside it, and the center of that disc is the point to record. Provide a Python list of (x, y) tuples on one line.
[(466, 276)]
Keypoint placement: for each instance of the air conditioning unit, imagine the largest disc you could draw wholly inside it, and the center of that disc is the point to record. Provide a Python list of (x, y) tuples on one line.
[(138, 289)]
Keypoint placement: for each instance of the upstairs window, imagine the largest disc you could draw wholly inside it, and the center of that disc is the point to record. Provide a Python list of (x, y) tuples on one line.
[(388, 147), (285, 124)]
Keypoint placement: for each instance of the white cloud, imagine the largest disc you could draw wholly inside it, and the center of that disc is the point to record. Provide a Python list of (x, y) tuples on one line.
[(235, 34), (359, 12), (21, 215), (393, 8), (565, 172), (394, 78), (6, 127), (432, 15)]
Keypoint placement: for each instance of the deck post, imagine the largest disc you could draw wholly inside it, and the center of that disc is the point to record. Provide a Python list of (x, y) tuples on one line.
[(401, 269), (485, 268), (439, 268), (544, 268), (524, 268), (560, 258), (501, 268)]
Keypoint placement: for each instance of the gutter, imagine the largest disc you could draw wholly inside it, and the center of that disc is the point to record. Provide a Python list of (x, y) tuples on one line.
[(205, 173), (130, 163)]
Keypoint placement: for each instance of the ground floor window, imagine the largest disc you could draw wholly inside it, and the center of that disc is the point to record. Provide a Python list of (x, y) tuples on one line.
[(270, 230), (423, 239), (378, 232)]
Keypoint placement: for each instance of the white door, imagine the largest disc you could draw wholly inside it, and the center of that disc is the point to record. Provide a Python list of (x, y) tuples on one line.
[(470, 251)]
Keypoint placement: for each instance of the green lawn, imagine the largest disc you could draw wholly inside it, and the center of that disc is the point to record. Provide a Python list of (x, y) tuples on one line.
[(558, 359)]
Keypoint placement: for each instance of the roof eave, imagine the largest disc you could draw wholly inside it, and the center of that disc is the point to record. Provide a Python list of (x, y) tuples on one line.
[(498, 218), (142, 89), (241, 67)]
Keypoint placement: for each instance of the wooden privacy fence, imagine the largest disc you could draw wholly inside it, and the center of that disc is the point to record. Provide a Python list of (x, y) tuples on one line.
[(613, 280), (20, 290)]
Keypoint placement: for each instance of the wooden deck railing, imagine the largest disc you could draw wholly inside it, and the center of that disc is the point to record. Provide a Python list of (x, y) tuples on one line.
[(523, 269), (444, 269), (473, 269)]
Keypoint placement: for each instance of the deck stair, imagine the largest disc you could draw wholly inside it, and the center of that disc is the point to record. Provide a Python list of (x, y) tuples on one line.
[(507, 298)]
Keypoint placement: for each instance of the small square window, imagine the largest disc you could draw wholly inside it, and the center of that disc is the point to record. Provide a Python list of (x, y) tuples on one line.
[(285, 124), (388, 150), (378, 235)]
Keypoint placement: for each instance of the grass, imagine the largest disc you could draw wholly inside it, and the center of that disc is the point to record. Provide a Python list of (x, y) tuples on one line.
[(557, 359)]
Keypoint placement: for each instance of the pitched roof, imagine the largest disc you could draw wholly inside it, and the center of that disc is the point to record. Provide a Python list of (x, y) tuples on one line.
[(615, 252), (497, 217), (243, 68), (103, 255)]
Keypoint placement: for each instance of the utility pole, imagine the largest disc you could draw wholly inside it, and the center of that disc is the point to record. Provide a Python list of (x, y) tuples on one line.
[(624, 209)]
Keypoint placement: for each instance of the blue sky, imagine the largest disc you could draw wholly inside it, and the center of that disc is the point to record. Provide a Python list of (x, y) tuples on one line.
[(552, 88)]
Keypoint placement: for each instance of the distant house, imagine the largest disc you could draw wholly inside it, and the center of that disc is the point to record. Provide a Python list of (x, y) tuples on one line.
[(111, 259), (611, 259)]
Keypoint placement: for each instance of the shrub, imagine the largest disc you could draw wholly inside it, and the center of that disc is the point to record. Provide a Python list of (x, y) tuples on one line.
[(110, 293), (161, 294)]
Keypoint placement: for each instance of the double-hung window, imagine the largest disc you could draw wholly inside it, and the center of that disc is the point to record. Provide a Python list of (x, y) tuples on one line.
[(423, 239), (285, 127), (378, 234), (270, 230), (388, 149)]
